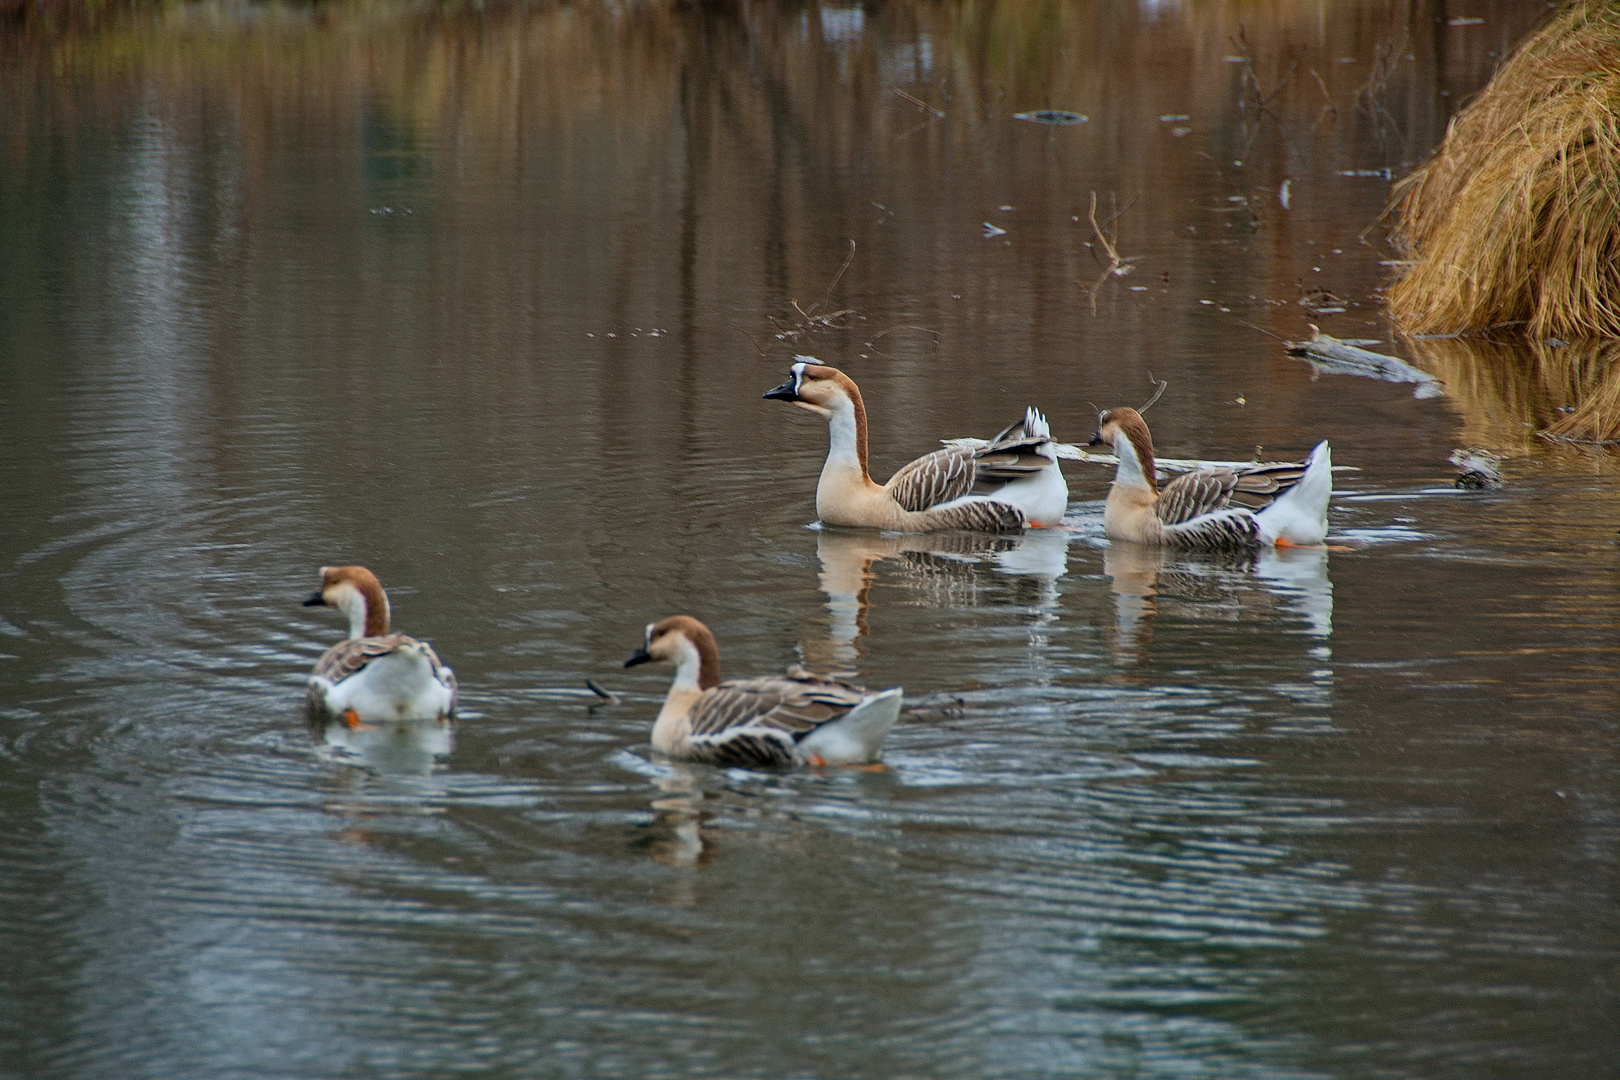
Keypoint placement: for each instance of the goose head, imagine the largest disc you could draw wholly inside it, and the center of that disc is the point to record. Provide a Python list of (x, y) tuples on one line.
[(684, 642), (817, 388), (357, 593), (1125, 430)]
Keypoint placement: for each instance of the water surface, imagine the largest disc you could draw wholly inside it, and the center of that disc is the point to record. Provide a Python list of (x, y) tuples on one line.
[(485, 299)]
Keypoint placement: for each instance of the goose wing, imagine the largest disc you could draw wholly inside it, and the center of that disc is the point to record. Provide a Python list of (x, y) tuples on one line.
[(934, 478), (974, 467), (979, 515), (1221, 530), (1020, 449), (1259, 487), (1207, 490), (347, 658), (759, 721), (1194, 494)]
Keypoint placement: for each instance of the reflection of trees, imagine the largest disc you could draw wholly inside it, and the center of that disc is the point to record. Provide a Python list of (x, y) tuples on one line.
[(781, 111)]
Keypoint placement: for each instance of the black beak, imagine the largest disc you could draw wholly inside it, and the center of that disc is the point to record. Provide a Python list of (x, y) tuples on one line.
[(1097, 440), (788, 391), (315, 600), (640, 656)]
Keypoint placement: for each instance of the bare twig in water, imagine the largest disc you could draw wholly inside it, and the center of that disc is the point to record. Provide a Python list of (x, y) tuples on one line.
[(1371, 94), (750, 338), (884, 333), (1263, 330), (1330, 109), (916, 101), (606, 695), (833, 284), (1162, 384), (1251, 80), (1117, 266), (1115, 216)]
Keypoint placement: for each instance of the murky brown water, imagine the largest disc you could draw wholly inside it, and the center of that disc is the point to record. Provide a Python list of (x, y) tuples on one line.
[(486, 300)]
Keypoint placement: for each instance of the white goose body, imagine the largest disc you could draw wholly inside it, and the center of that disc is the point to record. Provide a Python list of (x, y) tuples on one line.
[(1252, 506), (774, 721), (374, 676), (1004, 484)]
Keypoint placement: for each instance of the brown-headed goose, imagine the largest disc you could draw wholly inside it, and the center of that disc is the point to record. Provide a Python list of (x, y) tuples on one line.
[(797, 718), (374, 675), (1011, 482), (1250, 506)]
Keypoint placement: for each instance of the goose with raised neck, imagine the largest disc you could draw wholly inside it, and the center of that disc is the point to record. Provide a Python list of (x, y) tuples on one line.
[(374, 675), (1003, 484)]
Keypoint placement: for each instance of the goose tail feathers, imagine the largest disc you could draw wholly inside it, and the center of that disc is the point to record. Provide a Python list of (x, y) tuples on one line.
[(856, 738), (1299, 516)]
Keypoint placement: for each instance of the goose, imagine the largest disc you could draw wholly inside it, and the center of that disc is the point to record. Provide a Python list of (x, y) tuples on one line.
[(774, 721), (374, 675), (1008, 483), (1246, 506)]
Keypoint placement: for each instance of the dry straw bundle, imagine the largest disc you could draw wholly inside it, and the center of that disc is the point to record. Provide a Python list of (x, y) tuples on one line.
[(1516, 219)]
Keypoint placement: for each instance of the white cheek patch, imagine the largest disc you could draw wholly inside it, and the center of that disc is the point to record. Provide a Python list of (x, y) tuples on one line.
[(347, 599)]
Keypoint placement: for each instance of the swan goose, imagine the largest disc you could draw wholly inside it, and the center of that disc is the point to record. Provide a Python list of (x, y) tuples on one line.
[(775, 721), (1227, 507), (1008, 483), (374, 675)]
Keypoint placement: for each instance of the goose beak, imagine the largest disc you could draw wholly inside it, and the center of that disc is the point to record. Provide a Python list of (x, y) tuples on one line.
[(1097, 439), (315, 600), (788, 391), (640, 656)]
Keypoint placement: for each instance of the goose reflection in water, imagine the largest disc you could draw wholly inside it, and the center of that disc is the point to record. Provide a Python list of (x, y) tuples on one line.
[(940, 569), (676, 836), (1210, 585), (388, 748)]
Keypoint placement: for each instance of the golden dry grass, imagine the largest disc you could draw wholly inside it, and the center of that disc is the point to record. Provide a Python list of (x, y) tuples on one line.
[(1516, 219)]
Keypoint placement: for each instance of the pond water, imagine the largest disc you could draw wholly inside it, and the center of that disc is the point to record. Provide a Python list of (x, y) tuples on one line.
[(486, 298)]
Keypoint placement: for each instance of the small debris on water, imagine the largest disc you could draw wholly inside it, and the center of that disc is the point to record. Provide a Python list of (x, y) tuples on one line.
[(1481, 469), (1051, 116), (1381, 174), (1319, 300), (990, 230), (606, 695), (1464, 22), (1170, 118)]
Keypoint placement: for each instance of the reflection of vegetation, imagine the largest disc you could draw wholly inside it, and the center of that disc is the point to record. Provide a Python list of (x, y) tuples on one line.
[(1517, 217), (1510, 392)]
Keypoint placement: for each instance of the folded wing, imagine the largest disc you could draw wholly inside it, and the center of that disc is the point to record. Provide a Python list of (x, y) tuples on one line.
[(348, 658), (758, 722)]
